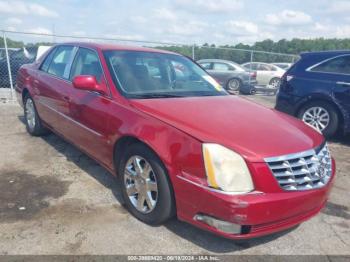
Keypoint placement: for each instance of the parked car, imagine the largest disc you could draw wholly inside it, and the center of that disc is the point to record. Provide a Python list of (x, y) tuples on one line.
[(317, 90), (284, 66), (18, 58), (267, 74), (178, 143), (230, 75), (3, 52)]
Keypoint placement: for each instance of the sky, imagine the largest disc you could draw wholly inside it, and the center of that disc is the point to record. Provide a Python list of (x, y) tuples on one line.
[(181, 21)]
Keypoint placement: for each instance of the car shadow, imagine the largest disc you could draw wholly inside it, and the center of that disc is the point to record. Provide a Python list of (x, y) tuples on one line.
[(343, 139), (201, 238), (84, 162), (217, 244)]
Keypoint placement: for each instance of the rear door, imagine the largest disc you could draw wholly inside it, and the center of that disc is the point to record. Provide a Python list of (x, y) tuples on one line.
[(334, 76), (89, 111), (264, 74), (52, 88), (222, 72)]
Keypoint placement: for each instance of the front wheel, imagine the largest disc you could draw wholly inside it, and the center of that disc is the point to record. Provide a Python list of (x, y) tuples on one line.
[(146, 189), (322, 116)]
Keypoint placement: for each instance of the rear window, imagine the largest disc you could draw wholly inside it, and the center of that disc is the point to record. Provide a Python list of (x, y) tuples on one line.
[(60, 60), (45, 65), (340, 65)]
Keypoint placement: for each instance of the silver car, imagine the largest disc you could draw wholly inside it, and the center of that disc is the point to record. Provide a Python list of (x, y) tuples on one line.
[(267, 74), (230, 75)]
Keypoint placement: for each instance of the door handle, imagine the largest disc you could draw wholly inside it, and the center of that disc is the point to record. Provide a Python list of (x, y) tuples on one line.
[(66, 98), (343, 83)]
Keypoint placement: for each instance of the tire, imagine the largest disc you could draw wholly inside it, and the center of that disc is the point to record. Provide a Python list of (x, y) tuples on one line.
[(275, 82), (233, 85), (161, 194), (324, 109), (32, 120)]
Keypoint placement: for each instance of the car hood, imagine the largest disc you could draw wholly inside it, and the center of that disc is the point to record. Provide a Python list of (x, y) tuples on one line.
[(252, 130)]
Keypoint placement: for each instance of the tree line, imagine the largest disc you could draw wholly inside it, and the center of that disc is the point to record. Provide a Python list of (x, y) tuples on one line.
[(292, 47)]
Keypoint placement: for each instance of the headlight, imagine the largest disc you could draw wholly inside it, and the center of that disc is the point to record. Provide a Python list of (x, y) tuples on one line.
[(226, 170)]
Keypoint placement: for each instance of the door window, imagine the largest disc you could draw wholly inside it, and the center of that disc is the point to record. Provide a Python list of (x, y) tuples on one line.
[(339, 65), (60, 62), (45, 65), (205, 65), (253, 66), (86, 62), (221, 67), (265, 67)]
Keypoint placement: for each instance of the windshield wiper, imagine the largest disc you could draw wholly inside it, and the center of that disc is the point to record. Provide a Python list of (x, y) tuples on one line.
[(154, 95)]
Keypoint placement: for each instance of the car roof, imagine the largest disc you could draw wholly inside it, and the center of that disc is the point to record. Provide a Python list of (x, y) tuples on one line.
[(255, 63), (325, 53), (215, 60), (104, 47), (219, 60)]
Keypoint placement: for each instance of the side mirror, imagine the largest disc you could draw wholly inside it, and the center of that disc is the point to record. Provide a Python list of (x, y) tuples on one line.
[(88, 83)]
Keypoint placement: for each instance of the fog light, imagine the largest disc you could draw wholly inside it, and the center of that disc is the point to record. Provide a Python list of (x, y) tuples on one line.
[(221, 225)]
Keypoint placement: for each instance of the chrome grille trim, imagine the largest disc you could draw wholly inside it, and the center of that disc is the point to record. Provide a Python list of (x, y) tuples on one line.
[(302, 171)]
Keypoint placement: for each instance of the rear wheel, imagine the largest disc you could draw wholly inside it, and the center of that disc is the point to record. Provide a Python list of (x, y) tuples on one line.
[(146, 189), (233, 85), (32, 120), (322, 116), (275, 82)]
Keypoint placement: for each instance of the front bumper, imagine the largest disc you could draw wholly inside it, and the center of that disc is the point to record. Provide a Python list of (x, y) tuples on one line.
[(258, 213)]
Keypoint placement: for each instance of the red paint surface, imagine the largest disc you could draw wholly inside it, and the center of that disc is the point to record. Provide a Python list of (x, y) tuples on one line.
[(175, 129)]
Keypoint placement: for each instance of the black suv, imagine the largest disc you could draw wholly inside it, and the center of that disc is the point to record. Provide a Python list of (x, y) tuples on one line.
[(317, 90), (17, 58)]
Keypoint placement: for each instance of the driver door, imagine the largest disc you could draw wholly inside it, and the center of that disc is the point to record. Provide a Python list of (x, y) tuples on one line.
[(89, 111)]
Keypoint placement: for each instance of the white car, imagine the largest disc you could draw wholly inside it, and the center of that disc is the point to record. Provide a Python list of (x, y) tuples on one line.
[(284, 66), (267, 74)]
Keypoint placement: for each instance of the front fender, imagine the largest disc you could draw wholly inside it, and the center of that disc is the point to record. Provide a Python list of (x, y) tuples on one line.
[(179, 152)]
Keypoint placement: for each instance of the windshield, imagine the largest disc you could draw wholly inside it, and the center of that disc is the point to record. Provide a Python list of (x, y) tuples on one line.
[(150, 75)]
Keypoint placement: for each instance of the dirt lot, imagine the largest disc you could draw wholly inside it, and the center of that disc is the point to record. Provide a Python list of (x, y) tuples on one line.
[(56, 200)]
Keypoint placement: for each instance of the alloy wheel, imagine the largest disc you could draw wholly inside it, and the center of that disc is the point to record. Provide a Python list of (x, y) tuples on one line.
[(233, 85), (275, 83), (317, 117), (30, 113), (141, 184)]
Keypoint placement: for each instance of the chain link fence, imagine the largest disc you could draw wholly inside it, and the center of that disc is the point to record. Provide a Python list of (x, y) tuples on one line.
[(19, 48)]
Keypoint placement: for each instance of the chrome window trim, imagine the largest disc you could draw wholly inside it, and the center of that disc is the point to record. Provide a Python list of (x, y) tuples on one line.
[(309, 69), (70, 62)]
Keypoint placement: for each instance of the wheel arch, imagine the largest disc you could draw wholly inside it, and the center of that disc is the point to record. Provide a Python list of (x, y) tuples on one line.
[(25, 91), (123, 142), (325, 99), (233, 77)]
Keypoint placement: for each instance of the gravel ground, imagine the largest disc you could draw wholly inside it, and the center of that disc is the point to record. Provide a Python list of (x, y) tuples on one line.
[(56, 200)]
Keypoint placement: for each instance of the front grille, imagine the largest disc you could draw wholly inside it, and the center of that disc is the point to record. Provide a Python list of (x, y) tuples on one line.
[(302, 171)]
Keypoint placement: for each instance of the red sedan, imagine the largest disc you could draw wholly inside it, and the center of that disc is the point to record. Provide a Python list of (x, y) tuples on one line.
[(179, 144)]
